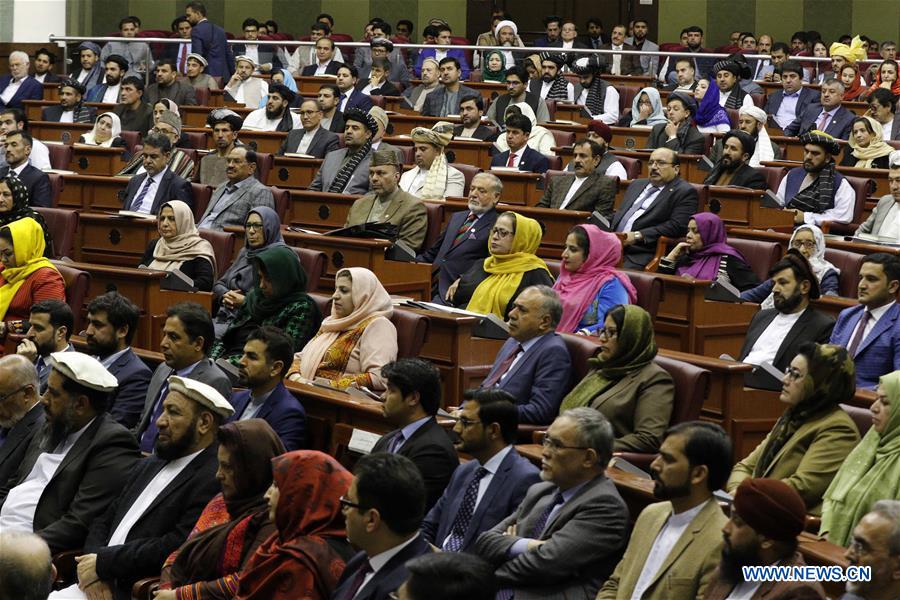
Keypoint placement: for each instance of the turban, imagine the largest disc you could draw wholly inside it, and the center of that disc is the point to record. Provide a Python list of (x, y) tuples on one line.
[(755, 112), (439, 135), (89, 46), (736, 63), (119, 60), (72, 83), (601, 129), (354, 114), (173, 120), (558, 58), (894, 159), (853, 53), (746, 140), (225, 115), (282, 90), (771, 508), (381, 42), (586, 65), (380, 116), (820, 138), (240, 58), (201, 393), (85, 370), (503, 24), (199, 58)]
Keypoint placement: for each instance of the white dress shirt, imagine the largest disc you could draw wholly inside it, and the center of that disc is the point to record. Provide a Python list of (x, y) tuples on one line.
[(306, 140), (617, 62), (11, 89), (68, 116), (616, 170), (876, 313), (890, 227), (844, 201), (40, 78), (610, 114), (787, 111), (576, 185), (253, 405), (768, 343), (322, 67), (153, 183), (570, 90), (516, 157), (83, 75), (413, 180), (723, 98), (111, 95)]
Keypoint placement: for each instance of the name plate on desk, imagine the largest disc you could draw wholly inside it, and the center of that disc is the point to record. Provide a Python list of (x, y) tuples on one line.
[(362, 442), (722, 291), (765, 377)]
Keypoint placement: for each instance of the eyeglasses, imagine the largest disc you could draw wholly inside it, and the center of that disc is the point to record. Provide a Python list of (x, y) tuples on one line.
[(254, 226), (793, 373), (556, 445), (501, 233), (808, 244), (466, 423), (608, 333), (5, 397), (345, 503), (658, 163)]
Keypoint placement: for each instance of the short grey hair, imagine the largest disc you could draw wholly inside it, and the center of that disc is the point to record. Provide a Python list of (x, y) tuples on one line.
[(551, 302), (890, 510), (833, 81), (19, 54), (493, 182), (594, 431), (21, 371)]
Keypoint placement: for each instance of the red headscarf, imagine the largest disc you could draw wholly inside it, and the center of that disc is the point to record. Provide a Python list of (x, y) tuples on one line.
[(577, 290), (857, 89), (704, 264), (895, 86), (296, 561)]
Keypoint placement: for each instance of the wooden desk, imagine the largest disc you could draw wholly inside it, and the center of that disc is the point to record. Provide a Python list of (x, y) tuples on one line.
[(521, 188), (404, 124), (96, 160), (216, 98), (467, 152), (688, 171), (289, 172), (330, 406), (93, 192), (630, 138), (318, 210), (261, 141), (51, 131), (743, 208), (579, 129), (108, 239), (833, 305), (571, 112), (51, 91)]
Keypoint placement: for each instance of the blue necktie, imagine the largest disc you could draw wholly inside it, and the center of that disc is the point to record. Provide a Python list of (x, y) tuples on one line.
[(148, 438), (396, 443), (464, 516), (541, 523), (139, 199)]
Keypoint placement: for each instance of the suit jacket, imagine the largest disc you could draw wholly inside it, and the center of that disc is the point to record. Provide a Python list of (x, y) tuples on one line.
[(629, 65), (746, 176), (539, 380), (668, 215), (12, 451), (337, 124), (323, 142), (83, 113), (30, 89), (693, 143), (807, 97), (432, 451), (206, 372), (434, 102), (585, 541), (97, 92), (181, 92), (95, 78), (879, 352), (358, 182), (649, 63), (86, 481), (404, 210), (163, 526), (872, 225), (210, 41), (331, 69), (38, 184), (719, 589), (171, 187), (127, 402), (450, 262), (532, 160), (238, 205), (388, 578), (357, 99), (482, 132), (838, 126), (385, 89), (282, 411), (688, 568), (502, 497), (597, 193), (812, 326)]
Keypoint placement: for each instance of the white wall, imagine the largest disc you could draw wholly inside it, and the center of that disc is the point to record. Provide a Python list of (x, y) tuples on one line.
[(35, 20)]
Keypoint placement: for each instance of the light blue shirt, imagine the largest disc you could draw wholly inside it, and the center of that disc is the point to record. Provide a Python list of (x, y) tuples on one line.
[(787, 112), (408, 431), (254, 405)]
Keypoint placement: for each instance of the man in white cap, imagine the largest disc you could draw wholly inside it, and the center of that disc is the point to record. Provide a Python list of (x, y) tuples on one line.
[(196, 73), (152, 515), (433, 178), (244, 89), (77, 464)]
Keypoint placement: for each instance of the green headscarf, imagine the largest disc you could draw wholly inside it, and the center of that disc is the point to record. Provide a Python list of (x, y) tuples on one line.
[(287, 278), (871, 472), (487, 74), (636, 348)]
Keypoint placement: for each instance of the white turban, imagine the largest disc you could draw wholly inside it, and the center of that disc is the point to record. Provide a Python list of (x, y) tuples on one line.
[(763, 151), (503, 24), (894, 159), (755, 112)]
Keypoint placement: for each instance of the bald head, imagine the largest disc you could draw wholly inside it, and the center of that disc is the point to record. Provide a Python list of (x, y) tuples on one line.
[(27, 567), (19, 388)]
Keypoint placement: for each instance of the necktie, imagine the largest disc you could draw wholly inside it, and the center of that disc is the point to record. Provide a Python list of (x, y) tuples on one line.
[(463, 230), (648, 191), (512, 160), (396, 442), (541, 523), (139, 199), (358, 579), (860, 330), (182, 59), (343, 99), (148, 439), (464, 516), (503, 367), (823, 121)]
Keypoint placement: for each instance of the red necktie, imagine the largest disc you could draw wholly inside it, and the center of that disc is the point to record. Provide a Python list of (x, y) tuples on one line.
[(858, 336), (182, 61), (503, 367), (463, 230), (512, 160)]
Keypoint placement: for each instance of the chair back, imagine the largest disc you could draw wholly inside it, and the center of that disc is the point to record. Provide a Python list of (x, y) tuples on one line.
[(759, 254), (264, 162), (223, 247), (202, 194), (57, 184), (468, 171), (435, 214), (197, 140), (849, 263), (861, 417), (282, 201), (412, 330), (580, 348), (649, 290), (77, 284), (61, 155), (562, 138), (555, 162), (314, 263), (131, 138), (691, 388), (632, 166), (626, 96), (774, 175), (62, 224)]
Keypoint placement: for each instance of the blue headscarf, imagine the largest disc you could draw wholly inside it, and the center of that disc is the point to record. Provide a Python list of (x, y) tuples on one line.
[(657, 116), (710, 114), (288, 81)]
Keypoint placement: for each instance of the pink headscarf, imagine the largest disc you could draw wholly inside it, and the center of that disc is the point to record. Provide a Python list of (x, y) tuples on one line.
[(577, 290), (704, 264)]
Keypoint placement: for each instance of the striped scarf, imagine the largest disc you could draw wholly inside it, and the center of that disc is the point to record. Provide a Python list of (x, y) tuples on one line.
[(559, 89), (735, 99), (596, 96), (350, 165), (819, 196)]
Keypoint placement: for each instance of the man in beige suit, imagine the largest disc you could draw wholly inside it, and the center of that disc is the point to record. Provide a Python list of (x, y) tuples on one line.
[(676, 544), (585, 189), (387, 203)]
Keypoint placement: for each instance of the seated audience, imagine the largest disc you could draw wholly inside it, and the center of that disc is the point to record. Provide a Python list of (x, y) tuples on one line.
[(445, 99), (813, 436), (310, 137), (37, 183), (197, 75), (350, 97), (18, 86), (135, 113), (728, 74), (90, 70), (27, 276), (869, 330), (586, 189), (493, 68), (492, 285), (50, 325), (106, 132), (138, 55), (866, 148), (325, 62), (12, 119), (883, 221), (517, 93), (109, 91), (552, 84), (377, 83), (442, 41), (22, 415), (225, 125), (356, 340), (766, 518), (415, 96), (826, 116), (56, 498), (433, 178), (709, 117), (646, 110), (346, 170), (874, 546), (568, 35), (599, 99), (70, 109), (706, 255), (886, 78), (158, 183), (232, 201), (792, 100), (853, 82), (28, 570), (471, 110), (676, 543), (733, 167), (306, 55), (329, 98), (883, 108), (539, 138), (519, 153), (589, 284), (752, 121), (242, 87), (620, 64), (234, 523), (276, 114), (180, 163), (685, 77), (533, 365), (393, 68), (179, 247), (557, 544), (678, 133), (44, 62), (600, 133), (169, 85), (494, 482), (444, 576)]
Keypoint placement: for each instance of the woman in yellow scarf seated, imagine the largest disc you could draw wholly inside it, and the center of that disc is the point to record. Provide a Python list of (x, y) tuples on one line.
[(26, 277), (491, 286)]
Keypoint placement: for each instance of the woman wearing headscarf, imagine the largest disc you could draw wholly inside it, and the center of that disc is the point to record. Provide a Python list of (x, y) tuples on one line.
[(540, 138), (279, 300), (886, 77), (814, 434), (284, 77), (710, 117), (179, 246), (625, 384), (809, 241), (492, 285), (305, 556), (166, 104), (870, 472), (866, 148), (493, 68), (854, 86), (705, 254), (233, 524), (356, 340), (646, 110), (533, 66), (589, 284), (106, 132), (14, 205), (26, 276)]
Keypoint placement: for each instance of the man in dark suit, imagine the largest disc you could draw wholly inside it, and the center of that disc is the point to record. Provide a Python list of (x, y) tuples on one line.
[(520, 155), (209, 41), (232, 201), (44, 60), (325, 63), (70, 108), (568, 37), (110, 88), (486, 490), (471, 110), (827, 115), (188, 335), (733, 168), (147, 521), (266, 57), (411, 401), (268, 354), (329, 100), (552, 26), (112, 321), (870, 330), (168, 85), (567, 535), (883, 108), (50, 326), (775, 334), (18, 151), (383, 509), (21, 412), (533, 365), (350, 97), (312, 139), (788, 103), (620, 64), (446, 98), (586, 189), (91, 455), (679, 133), (660, 205), (23, 86), (359, 129), (148, 191)]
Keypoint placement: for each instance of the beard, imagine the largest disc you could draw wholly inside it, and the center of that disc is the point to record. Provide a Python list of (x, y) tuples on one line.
[(733, 559), (809, 168), (177, 447), (112, 81), (547, 78), (274, 114), (789, 304), (102, 349), (730, 165), (662, 491), (56, 429)]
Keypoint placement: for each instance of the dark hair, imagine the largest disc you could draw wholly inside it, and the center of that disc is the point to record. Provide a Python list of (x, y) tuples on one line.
[(353, 71), (330, 86), (251, 22), (26, 137), (884, 97), (320, 26), (137, 82), (198, 6), (131, 19), (799, 274), (51, 58), (792, 66), (196, 322), (552, 19), (799, 35), (381, 63), (408, 23), (442, 28), (120, 311), (814, 36), (595, 21), (60, 314), (781, 46), (249, 154), (97, 399), (166, 61), (478, 100), (19, 116), (449, 59), (688, 106), (430, 31), (865, 122), (617, 314), (278, 345), (689, 61), (888, 262), (326, 16), (272, 26), (707, 444), (640, 20), (694, 29), (449, 576), (384, 26), (497, 406), (596, 149), (519, 121), (416, 375), (158, 140), (6, 234), (581, 238), (519, 71), (392, 485)]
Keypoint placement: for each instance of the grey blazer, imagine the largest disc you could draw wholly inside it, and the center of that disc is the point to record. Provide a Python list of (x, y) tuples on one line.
[(873, 224), (597, 193), (586, 538), (238, 205), (323, 142), (359, 181)]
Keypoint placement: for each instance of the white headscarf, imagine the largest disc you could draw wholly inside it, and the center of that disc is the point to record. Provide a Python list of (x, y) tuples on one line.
[(89, 137), (817, 261), (763, 151)]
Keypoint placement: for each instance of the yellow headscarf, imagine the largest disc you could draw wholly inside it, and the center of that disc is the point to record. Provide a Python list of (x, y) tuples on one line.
[(854, 52), (28, 246), (505, 271)]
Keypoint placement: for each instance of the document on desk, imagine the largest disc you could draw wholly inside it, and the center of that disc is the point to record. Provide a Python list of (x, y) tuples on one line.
[(362, 441)]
